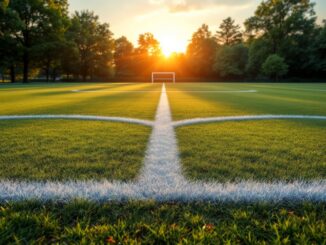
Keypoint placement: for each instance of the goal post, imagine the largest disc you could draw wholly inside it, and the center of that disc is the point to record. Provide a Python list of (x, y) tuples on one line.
[(163, 76)]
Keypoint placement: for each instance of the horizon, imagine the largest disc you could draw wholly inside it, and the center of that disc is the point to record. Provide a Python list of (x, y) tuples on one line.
[(164, 18)]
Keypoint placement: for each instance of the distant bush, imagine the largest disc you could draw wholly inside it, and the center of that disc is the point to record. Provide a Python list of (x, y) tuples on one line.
[(275, 67)]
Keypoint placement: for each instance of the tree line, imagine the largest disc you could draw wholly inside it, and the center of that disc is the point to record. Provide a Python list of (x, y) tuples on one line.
[(39, 38)]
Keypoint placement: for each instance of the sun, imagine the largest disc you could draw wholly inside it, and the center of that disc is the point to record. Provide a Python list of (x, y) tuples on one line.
[(172, 45)]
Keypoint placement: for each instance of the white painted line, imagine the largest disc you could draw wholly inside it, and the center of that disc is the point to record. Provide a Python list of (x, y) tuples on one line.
[(79, 117), (213, 91), (161, 179), (246, 191), (116, 91), (170, 91), (162, 167), (244, 118)]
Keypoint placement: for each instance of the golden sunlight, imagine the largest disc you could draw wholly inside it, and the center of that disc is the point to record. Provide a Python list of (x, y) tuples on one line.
[(172, 45)]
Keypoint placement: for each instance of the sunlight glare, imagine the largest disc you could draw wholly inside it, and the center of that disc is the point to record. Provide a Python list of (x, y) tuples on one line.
[(172, 45)]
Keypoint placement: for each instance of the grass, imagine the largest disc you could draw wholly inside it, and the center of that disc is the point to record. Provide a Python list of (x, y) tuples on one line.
[(69, 150), (261, 150), (81, 222), (306, 99), (123, 100)]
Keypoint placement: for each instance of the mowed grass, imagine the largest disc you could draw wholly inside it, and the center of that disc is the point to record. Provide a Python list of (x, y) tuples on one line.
[(81, 222), (193, 100), (122, 100), (117, 151), (274, 150), (71, 150)]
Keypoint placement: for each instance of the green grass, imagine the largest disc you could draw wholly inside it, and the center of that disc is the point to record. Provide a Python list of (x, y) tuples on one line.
[(81, 222), (271, 99), (109, 100), (261, 150), (60, 150), (64, 150)]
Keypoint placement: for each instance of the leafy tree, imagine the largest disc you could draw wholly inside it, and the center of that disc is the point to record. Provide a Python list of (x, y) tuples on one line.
[(148, 45), (231, 61), (201, 52), (34, 18), (281, 19), (10, 50), (69, 61), (288, 26), (259, 50), (318, 57), (229, 33), (94, 43), (275, 67), (148, 53), (123, 56), (49, 52)]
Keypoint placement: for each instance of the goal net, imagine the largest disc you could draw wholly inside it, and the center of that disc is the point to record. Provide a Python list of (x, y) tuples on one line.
[(163, 77)]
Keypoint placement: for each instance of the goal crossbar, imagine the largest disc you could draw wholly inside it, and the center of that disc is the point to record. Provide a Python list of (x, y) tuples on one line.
[(154, 78)]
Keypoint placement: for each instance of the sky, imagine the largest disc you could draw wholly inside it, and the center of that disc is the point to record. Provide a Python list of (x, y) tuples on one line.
[(171, 21)]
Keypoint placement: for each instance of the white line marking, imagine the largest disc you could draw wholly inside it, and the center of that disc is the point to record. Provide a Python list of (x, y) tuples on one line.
[(80, 117), (213, 91), (180, 191), (162, 167), (243, 118), (161, 179), (170, 91), (116, 91)]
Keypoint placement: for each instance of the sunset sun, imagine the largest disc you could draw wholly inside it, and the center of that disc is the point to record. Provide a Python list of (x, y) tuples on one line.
[(172, 45)]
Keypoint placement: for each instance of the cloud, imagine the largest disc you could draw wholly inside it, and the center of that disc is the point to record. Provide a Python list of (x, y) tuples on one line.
[(176, 6)]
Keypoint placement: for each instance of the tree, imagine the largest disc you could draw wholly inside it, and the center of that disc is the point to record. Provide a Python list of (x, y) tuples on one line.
[(275, 67), (148, 45), (94, 43), (49, 52), (318, 57), (229, 33), (10, 50), (281, 19), (259, 50), (288, 26), (123, 56), (201, 52), (34, 19), (69, 61), (147, 54), (231, 61)]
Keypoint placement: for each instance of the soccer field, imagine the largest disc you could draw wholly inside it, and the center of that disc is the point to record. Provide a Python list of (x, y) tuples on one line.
[(198, 146), (95, 131)]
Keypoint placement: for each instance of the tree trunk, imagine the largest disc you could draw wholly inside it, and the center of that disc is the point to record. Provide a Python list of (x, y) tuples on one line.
[(54, 75), (26, 66), (12, 74), (47, 71)]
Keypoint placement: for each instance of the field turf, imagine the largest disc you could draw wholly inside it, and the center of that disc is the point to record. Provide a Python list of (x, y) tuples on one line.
[(291, 99), (259, 150), (83, 222), (71, 150), (265, 150), (270, 151), (121, 100)]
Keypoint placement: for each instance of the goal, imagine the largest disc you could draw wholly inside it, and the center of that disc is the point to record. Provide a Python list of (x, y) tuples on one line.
[(163, 76)]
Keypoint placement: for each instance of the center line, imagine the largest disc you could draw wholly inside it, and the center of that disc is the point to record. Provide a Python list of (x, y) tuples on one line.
[(162, 166)]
